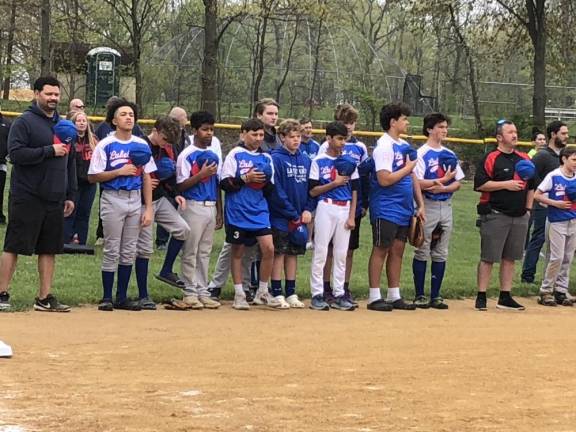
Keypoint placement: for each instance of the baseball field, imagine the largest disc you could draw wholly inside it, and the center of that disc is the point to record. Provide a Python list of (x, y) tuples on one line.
[(295, 370)]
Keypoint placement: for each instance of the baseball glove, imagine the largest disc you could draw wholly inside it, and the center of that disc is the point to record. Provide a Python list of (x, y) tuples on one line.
[(436, 236), (416, 232)]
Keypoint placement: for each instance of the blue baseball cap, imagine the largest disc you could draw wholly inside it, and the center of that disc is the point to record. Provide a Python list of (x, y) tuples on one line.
[(139, 154), (409, 153), (345, 165), (299, 236), (264, 167), (447, 159), (207, 156), (165, 168), (66, 131), (525, 169), (571, 191)]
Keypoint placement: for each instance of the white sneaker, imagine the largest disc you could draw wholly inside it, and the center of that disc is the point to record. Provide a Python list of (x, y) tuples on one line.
[(309, 246), (266, 299), (240, 303), (295, 302), (5, 350), (193, 302), (283, 303)]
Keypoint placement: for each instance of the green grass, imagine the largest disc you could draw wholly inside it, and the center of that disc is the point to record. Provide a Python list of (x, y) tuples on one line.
[(77, 279)]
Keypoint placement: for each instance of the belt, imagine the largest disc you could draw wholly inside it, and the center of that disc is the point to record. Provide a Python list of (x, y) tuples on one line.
[(336, 202), (205, 203)]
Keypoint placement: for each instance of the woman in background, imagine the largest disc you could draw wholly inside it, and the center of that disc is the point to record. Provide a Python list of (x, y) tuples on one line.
[(76, 225), (539, 141)]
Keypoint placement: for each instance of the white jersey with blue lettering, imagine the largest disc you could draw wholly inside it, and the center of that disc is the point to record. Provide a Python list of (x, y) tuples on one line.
[(186, 167), (322, 170), (247, 208), (428, 168), (353, 148), (111, 154)]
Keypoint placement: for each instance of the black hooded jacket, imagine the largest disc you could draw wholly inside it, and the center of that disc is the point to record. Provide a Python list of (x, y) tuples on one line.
[(37, 171)]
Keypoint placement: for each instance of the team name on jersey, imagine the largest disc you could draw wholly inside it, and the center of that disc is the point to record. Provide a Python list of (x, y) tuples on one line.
[(559, 190), (326, 172), (433, 164), (297, 172), (245, 166), (118, 157), (399, 159)]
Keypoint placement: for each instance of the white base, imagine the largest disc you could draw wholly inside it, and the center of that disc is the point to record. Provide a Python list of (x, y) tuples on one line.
[(5, 350)]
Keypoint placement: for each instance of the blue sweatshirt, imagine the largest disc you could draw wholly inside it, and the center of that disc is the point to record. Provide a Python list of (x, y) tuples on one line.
[(290, 197)]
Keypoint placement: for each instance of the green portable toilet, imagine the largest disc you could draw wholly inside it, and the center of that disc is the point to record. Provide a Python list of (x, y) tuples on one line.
[(102, 75)]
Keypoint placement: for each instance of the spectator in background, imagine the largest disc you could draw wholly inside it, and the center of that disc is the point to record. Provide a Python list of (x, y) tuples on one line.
[(539, 141), (76, 105), (4, 129), (76, 225), (266, 111), (180, 115)]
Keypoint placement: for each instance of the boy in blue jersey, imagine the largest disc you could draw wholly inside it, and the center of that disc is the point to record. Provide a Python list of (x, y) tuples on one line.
[(439, 174), (335, 218), (308, 146), (356, 149), (123, 185), (558, 192), (393, 190), (198, 177), (247, 175), (290, 208), (164, 199)]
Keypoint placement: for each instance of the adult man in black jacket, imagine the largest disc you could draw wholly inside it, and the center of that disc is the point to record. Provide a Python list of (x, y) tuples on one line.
[(42, 188), (546, 160), (4, 129)]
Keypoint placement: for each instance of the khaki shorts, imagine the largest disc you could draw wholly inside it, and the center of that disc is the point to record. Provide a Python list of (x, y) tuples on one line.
[(502, 237)]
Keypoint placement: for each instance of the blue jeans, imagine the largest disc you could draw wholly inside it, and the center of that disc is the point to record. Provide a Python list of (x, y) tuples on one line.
[(79, 221), (535, 244)]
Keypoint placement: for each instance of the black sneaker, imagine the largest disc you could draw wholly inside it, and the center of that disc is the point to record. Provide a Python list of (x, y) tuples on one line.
[(215, 293), (128, 304), (400, 304), (380, 305), (438, 303), (4, 301), (508, 303), (562, 299), (480, 304), (2, 219), (106, 305), (171, 279), (50, 304), (250, 293), (422, 302)]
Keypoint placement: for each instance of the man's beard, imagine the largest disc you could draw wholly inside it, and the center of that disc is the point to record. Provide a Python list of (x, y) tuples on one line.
[(559, 143)]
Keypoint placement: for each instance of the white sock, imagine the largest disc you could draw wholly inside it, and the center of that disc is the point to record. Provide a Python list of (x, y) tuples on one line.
[(239, 290), (263, 287), (393, 294), (374, 295)]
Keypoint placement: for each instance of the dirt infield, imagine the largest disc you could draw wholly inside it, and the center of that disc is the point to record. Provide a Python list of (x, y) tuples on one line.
[(265, 370)]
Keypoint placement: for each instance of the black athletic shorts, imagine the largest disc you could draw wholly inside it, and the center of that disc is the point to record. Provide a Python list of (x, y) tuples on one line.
[(239, 236), (35, 226), (354, 242), (385, 232), (283, 246)]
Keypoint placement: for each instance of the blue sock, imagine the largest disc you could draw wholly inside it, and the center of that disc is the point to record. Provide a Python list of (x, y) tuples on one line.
[(276, 287), (107, 283), (172, 251), (290, 287), (419, 274), (438, 269), (124, 272), (141, 267)]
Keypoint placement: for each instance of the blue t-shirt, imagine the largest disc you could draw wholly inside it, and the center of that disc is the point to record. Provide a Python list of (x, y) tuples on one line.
[(111, 154), (246, 209), (310, 148), (394, 203), (554, 184), (322, 170), (186, 167), (428, 168)]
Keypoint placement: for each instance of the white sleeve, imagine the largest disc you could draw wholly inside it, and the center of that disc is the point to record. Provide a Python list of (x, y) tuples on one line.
[(355, 175), (219, 172), (183, 167), (459, 173), (230, 166), (98, 161), (420, 168), (314, 171), (323, 148), (546, 185), (364, 152), (383, 158), (150, 166), (216, 146)]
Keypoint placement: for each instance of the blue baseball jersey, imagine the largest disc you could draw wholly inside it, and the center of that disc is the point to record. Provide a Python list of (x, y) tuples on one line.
[(187, 166), (354, 148), (246, 209), (555, 184), (310, 148), (322, 170), (428, 168), (394, 203), (111, 154)]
